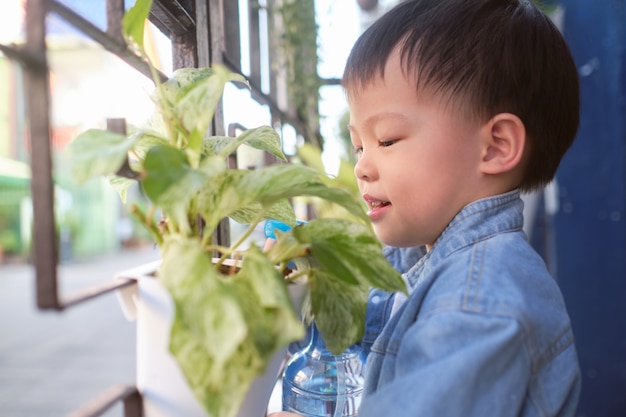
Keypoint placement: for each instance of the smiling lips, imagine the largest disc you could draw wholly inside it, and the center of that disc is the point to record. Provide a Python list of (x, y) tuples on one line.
[(375, 204), (376, 207)]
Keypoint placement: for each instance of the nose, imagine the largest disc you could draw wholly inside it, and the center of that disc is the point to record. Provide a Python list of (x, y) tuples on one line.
[(363, 169)]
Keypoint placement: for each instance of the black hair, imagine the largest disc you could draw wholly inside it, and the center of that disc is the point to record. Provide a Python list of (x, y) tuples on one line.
[(493, 56)]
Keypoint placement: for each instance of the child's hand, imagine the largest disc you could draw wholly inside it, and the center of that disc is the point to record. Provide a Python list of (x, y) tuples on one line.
[(270, 231), (268, 244)]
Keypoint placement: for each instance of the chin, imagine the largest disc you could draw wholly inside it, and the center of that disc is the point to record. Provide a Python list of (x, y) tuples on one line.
[(388, 239), (395, 241)]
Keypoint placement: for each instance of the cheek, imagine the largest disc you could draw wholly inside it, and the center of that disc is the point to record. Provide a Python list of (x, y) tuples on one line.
[(404, 183)]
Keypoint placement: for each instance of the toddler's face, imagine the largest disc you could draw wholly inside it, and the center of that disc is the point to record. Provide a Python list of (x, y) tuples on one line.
[(418, 158)]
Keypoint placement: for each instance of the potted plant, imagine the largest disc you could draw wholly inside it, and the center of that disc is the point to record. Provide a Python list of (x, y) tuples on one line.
[(229, 320)]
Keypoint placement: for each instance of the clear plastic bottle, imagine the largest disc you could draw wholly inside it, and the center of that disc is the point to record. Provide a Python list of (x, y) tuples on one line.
[(317, 383)]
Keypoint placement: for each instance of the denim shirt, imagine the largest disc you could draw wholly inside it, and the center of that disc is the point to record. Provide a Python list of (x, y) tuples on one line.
[(484, 331)]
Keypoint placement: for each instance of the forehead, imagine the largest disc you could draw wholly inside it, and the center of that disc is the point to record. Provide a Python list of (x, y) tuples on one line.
[(396, 97), (401, 76), (397, 71), (375, 74), (398, 80)]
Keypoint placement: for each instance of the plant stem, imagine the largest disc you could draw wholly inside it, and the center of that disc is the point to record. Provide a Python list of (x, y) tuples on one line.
[(219, 248), (295, 276), (169, 118), (244, 236), (207, 238), (148, 223)]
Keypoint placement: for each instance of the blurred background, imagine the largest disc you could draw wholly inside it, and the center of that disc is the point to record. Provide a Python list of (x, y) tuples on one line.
[(577, 223)]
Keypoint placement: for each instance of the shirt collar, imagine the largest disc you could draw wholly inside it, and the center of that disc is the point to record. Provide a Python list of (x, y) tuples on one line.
[(475, 222)]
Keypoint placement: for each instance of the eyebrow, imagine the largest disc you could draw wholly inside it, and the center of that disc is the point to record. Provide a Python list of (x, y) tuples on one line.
[(380, 116)]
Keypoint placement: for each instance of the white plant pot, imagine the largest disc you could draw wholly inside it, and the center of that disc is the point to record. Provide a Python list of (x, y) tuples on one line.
[(162, 385)]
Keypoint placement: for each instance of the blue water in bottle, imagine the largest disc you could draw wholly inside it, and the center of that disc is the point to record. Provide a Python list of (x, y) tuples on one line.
[(317, 383)]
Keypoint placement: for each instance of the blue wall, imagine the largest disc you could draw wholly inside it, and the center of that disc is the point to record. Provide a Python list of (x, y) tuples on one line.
[(589, 228)]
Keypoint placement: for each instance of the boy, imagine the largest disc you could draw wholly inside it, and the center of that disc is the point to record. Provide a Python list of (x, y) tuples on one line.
[(455, 107)]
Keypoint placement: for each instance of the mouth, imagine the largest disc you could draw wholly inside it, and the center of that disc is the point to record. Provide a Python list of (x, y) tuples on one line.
[(377, 204), (374, 204), (377, 208)]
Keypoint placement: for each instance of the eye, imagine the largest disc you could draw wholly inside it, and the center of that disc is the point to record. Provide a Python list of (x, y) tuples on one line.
[(387, 143), (358, 150)]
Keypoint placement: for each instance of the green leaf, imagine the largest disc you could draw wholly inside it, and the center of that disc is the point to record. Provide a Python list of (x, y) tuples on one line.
[(188, 78), (194, 148), (346, 180), (146, 140), (121, 185), (279, 181), (346, 260), (350, 252), (171, 183), (193, 283), (201, 341), (165, 168), (288, 248), (312, 156), (182, 80), (213, 145), (212, 166), (134, 21), (326, 254), (272, 321), (281, 211), (195, 105), (225, 329), (338, 196), (339, 310), (234, 190), (219, 197), (264, 138), (97, 153)]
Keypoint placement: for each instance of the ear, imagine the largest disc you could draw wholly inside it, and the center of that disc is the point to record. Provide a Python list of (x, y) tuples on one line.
[(504, 144)]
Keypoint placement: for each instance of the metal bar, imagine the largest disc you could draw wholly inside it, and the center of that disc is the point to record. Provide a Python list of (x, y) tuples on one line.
[(263, 98), (133, 405), (254, 39), (175, 19), (232, 37), (99, 405), (276, 71), (184, 45), (118, 125), (210, 37), (115, 14), (45, 251), (93, 292), (184, 51), (208, 31), (330, 81), (172, 16), (23, 57), (109, 43)]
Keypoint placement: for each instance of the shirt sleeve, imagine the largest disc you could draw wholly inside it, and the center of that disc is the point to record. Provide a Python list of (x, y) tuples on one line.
[(453, 363)]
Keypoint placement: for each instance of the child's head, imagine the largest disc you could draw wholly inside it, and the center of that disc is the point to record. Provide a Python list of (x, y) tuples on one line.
[(484, 57)]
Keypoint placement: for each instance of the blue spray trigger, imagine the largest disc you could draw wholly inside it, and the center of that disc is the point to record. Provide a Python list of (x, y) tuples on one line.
[(272, 225)]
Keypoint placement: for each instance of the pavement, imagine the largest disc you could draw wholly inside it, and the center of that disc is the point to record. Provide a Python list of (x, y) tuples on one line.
[(51, 363)]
